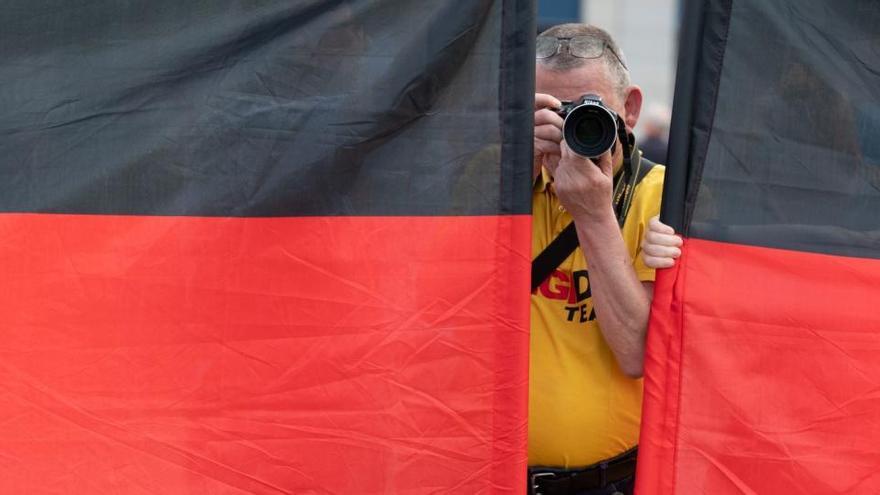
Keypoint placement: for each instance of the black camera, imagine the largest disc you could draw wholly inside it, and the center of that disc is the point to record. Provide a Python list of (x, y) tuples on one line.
[(590, 128)]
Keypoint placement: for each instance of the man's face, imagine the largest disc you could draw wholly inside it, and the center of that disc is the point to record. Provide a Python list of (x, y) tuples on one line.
[(593, 77)]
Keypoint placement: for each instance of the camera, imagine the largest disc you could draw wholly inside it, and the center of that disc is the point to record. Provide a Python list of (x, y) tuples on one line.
[(590, 128)]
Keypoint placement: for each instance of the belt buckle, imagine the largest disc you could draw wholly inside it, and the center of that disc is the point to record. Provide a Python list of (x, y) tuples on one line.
[(533, 480)]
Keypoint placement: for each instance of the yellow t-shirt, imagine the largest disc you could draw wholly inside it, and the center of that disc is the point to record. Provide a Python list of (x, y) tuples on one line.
[(582, 408)]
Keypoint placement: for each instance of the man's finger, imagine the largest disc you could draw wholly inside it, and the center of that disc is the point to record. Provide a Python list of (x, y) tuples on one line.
[(657, 226), (661, 251), (571, 155), (605, 164), (548, 133), (546, 147), (656, 263), (551, 163), (654, 237), (550, 117), (543, 100)]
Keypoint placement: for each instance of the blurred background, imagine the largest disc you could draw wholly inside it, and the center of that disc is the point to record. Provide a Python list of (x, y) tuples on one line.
[(647, 32)]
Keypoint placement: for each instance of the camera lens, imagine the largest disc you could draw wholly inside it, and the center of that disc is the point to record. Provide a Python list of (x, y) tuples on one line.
[(590, 130)]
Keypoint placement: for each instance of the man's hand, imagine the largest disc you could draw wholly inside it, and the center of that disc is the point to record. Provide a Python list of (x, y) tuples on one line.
[(661, 247), (584, 185), (548, 131)]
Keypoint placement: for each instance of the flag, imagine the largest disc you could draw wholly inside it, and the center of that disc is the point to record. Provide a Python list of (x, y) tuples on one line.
[(763, 358), (262, 246)]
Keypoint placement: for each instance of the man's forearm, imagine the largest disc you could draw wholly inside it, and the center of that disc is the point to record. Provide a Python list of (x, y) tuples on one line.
[(621, 303)]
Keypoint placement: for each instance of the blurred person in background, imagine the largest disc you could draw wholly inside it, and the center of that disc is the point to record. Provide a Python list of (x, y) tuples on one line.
[(654, 133)]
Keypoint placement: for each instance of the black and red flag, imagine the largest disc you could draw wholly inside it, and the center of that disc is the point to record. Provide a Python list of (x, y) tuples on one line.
[(263, 246), (763, 366)]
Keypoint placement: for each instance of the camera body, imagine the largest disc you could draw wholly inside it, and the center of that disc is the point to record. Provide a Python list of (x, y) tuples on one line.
[(590, 128)]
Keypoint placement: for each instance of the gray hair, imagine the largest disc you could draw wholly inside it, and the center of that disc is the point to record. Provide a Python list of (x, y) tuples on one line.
[(612, 56)]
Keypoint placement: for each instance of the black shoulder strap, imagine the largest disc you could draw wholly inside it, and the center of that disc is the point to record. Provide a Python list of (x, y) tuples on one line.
[(566, 242), (647, 165), (555, 253)]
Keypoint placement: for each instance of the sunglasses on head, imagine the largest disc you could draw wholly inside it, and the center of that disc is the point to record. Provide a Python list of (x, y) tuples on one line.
[(578, 46)]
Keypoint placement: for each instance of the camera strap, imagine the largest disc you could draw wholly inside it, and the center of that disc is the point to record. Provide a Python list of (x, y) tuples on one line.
[(634, 169)]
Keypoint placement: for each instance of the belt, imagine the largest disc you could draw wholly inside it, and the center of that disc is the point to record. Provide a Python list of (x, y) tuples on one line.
[(549, 481)]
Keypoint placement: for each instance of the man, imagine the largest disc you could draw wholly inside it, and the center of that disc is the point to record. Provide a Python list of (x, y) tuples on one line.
[(590, 315)]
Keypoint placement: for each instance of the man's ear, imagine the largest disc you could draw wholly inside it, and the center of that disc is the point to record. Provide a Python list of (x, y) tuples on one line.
[(632, 106)]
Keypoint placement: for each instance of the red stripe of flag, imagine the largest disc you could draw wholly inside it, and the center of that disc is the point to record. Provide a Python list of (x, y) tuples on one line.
[(763, 374), (238, 355)]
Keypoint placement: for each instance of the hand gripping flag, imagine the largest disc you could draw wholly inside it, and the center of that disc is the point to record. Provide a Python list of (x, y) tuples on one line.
[(263, 246), (763, 363)]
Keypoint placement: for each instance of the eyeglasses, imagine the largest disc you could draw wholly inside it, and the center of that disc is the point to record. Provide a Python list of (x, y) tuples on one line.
[(578, 46)]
